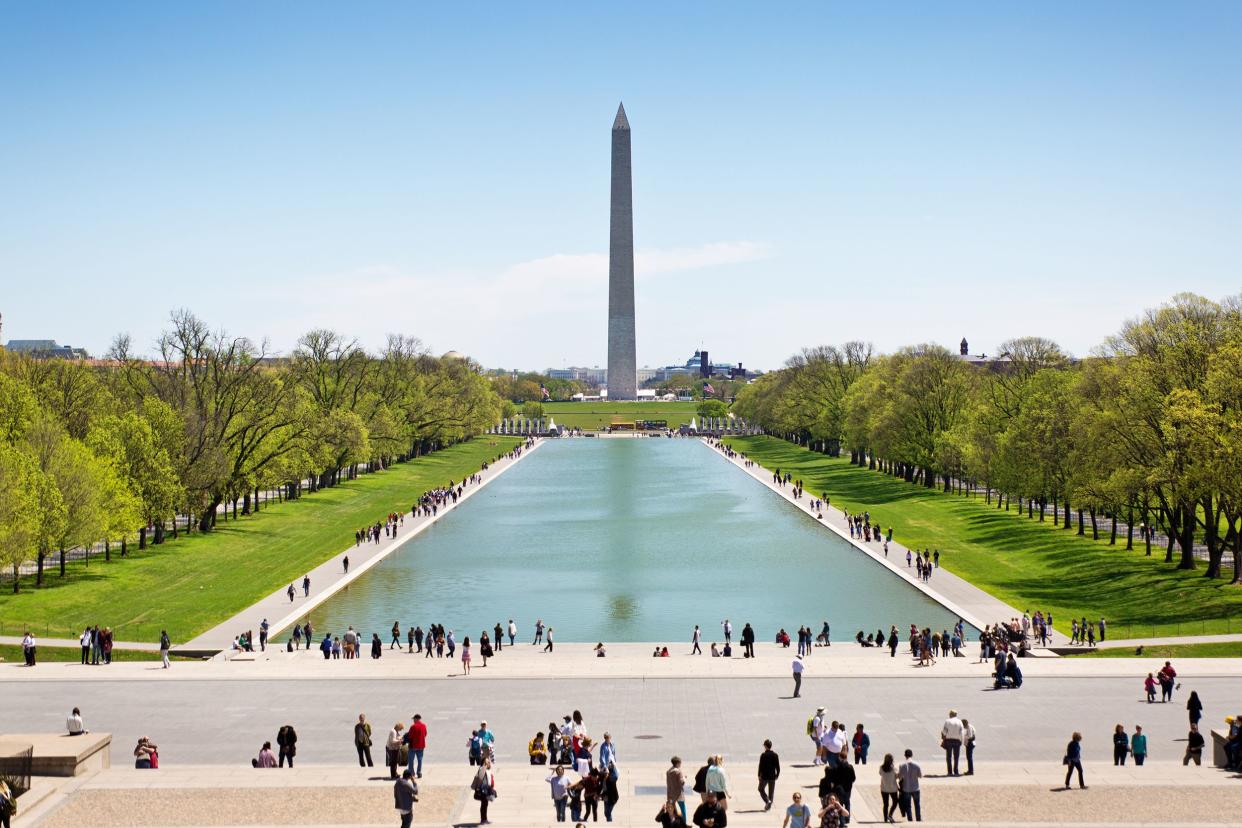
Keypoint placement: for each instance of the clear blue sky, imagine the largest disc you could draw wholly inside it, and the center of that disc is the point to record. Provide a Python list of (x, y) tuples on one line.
[(803, 174)]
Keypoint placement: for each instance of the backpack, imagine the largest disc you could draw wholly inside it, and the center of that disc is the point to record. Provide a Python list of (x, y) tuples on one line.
[(810, 726)]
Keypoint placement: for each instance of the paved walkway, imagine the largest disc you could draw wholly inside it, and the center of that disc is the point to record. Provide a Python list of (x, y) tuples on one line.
[(329, 577), (957, 595), (1158, 793)]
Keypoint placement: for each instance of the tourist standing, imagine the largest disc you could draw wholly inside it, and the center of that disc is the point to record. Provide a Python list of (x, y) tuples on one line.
[(287, 744), (769, 771), (1073, 759), (861, 744), (513, 631), (797, 675), (1167, 676), (165, 646), (710, 814), (908, 775), (951, 735), (834, 813), (675, 785), (416, 738), (29, 647), (538, 631), (1121, 745), (392, 748), (748, 641), (405, 794), (717, 782), (1138, 745), (969, 736), (465, 656), (484, 787), (362, 741)]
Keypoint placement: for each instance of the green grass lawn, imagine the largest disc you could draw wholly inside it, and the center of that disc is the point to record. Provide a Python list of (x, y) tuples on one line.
[(1027, 564), (191, 584), (596, 415), (1215, 649), (12, 654)]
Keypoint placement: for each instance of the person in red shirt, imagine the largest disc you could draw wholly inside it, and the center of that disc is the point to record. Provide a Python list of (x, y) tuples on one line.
[(416, 739), (1167, 675)]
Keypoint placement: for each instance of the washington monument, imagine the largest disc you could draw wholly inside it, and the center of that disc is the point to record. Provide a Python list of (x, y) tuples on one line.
[(622, 365)]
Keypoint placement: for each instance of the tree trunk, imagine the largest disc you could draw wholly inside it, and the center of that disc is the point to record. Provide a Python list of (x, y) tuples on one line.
[(246, 503), (207, 519), (1112, 533), (1237, 560), (1187, 540), (1130, 526), (62, 562), (1211, 521), (39, 569), (159, 532), (142, 538), (124, 547), (1095, 529), (15, 579)]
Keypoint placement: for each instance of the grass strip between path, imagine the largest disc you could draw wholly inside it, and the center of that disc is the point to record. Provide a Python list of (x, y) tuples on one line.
[(193, 583), (1027, 564), (12, 654), (1202, 649)]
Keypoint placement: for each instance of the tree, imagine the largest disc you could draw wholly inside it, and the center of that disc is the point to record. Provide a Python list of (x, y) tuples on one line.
[(712, 408), (532, 411), (20, 519)]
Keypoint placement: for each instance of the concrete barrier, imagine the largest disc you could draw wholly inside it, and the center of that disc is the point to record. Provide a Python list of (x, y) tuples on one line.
[(58, 754)]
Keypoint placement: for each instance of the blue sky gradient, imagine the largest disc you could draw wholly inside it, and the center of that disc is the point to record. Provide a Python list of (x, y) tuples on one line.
[(803, 174)]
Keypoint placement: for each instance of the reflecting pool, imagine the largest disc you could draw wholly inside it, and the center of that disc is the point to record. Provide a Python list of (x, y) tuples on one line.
[(628, 540)]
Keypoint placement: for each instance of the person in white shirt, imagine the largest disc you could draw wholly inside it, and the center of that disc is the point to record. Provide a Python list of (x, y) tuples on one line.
[(951, 734), (968, 737), (817, 734), (909, 774), (797, 676), (73, 723), (835, 742)]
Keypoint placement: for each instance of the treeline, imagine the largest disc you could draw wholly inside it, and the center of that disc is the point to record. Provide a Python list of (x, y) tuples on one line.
[(106, 450), (1148, 429)]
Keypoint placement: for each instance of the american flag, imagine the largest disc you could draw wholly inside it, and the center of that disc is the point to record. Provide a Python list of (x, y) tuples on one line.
[(546, 395), (707, 388)]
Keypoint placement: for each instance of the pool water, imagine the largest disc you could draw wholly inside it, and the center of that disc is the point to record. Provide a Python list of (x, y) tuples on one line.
[(628, 540)]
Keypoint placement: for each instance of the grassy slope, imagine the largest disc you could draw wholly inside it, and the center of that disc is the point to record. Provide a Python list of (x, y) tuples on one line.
[(1213, 649), (12, 654), (1023, 562), (190, 584), (596, 415)]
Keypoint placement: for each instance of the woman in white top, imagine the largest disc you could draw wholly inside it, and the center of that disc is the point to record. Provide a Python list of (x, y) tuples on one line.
[(392, 748)]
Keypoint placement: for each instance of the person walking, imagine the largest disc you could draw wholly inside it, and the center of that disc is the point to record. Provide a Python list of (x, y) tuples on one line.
[(362, 741), (696, 639), (1121, 745), (548, 647), (1194, 707), (675, 786), (769, 772), (165, 646), (1073, 759), (889, 789), (405, 794), (1138, 745), (797, 815), (861, 743), (908, 775), (560, 791), (798, 667), (841, 778), (951, 735), (1167, 676), (513, 631), (416, 738), (396, 636), (484, 787), (1194, 746), (287, 744), (306, 586), (710, 814)]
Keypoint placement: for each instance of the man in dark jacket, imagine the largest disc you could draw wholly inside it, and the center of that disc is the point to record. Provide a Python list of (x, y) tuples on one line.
[(405, 794), (838, 780), (710, 814), (769, 770), (748, 641)]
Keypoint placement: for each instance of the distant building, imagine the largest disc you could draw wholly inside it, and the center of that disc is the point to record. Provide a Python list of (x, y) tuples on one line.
[(700, 365), (980, 360), (45, 349)]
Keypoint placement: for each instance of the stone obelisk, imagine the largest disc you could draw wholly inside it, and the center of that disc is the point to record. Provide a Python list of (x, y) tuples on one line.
[(622, 366)]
